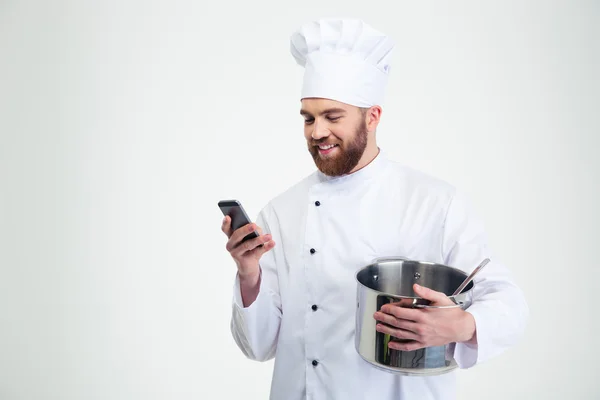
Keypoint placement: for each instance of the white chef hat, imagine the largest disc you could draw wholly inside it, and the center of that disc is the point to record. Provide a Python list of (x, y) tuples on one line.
[(344, 60)]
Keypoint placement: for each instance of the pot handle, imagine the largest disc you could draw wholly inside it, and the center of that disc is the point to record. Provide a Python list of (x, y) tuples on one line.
[(456, 305)]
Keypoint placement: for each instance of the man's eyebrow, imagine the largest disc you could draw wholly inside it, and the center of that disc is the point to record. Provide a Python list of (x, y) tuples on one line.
[(327, 111)]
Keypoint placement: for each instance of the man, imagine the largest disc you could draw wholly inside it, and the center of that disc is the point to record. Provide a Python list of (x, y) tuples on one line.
[(295, 296)]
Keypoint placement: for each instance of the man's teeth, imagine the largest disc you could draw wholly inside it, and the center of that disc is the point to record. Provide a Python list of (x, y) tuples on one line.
[(327, 147)]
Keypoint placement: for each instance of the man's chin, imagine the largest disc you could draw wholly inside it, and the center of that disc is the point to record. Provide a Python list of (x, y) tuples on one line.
[(329, 169), (330, 164)]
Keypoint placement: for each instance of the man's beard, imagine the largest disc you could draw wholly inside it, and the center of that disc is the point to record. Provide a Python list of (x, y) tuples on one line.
[(349, 154)]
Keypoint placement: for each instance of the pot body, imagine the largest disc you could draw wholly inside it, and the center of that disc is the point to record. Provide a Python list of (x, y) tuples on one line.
[(390, 280)]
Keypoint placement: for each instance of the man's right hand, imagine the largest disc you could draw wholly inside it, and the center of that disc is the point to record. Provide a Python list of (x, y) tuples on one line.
[(247, 256)]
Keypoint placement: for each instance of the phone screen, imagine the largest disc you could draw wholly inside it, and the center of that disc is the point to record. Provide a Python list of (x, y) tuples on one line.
[(238, 216)]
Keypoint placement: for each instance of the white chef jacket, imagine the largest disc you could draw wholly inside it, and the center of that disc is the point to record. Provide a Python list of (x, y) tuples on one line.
[(325, 230)]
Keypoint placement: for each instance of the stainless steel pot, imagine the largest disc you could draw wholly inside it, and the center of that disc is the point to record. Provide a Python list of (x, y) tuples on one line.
[(390, 280)]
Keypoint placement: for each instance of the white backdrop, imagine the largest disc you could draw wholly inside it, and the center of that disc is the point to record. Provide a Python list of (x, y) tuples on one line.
[(123, 123)]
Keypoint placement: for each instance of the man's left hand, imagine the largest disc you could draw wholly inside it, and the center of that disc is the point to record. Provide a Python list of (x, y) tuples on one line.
[(428, 326)]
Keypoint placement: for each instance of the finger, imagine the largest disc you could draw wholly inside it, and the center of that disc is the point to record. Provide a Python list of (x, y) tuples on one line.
[(239, 234), (438, 298), (409, 314), (396, 322), (403, 303), (406, 346), (266, 247), (263, 248), (226, 226), (395, 332), (250, 245)]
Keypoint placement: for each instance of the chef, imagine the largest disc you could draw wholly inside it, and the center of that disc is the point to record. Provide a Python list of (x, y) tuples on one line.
[(294, 297)]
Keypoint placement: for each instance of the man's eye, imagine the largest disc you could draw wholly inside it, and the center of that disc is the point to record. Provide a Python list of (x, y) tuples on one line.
[(309, 121), (333, 119)]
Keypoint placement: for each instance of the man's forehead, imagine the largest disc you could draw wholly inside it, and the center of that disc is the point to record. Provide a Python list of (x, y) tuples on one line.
[(315, 106)]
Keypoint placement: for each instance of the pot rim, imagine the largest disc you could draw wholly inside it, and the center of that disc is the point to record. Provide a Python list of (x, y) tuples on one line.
[(392, 259)]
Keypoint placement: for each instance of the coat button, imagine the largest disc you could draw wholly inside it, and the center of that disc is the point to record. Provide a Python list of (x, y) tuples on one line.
[(314, 307), (315, 363), (312, 251), (317, 203)]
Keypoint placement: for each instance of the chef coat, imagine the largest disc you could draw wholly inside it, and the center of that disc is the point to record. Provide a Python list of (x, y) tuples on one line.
[(325, 230)]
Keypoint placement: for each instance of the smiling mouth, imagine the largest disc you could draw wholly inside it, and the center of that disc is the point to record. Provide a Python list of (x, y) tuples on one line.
[(326, 149)]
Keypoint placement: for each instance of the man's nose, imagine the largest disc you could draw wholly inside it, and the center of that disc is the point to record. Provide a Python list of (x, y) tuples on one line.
[(320, 131)]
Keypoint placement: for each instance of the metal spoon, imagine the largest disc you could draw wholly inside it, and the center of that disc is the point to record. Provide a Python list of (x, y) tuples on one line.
[(471, 276)]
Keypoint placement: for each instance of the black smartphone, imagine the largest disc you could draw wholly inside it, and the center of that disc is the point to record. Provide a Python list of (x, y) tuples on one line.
[(238, 216)]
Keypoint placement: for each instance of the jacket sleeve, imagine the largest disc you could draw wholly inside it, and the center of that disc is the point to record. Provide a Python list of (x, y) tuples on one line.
[(255, 329), (497, 304)]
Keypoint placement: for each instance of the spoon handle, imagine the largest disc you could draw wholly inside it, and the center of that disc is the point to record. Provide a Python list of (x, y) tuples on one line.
[(470, 277)]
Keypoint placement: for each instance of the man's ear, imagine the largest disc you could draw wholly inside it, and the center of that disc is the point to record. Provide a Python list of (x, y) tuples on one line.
[(372, 117)]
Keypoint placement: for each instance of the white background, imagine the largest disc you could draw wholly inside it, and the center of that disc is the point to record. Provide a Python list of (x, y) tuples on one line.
[(123, 123)]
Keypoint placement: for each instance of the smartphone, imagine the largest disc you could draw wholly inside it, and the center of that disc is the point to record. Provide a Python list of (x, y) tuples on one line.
[(238, 216)]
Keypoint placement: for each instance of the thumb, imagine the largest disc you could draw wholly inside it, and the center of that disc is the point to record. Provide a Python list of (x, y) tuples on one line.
[(431, 295)]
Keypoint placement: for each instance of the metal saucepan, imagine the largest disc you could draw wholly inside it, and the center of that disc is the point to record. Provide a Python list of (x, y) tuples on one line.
[(390, 280)]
